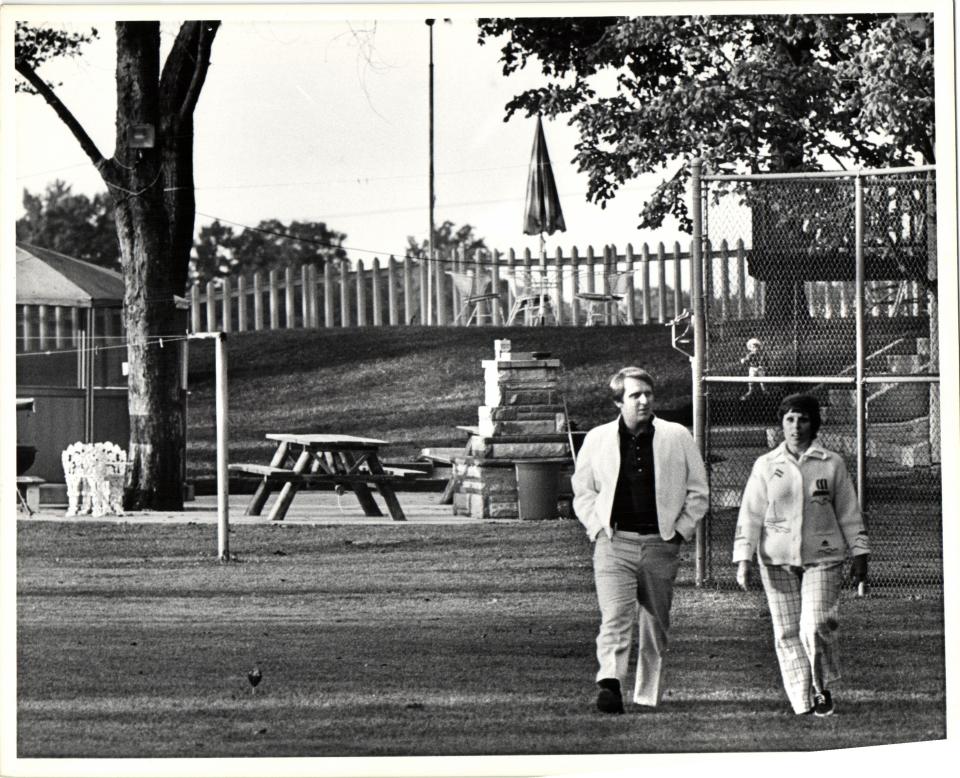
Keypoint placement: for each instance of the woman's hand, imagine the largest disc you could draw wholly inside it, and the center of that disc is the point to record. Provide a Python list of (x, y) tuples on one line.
[(858, 569), (743, 573)]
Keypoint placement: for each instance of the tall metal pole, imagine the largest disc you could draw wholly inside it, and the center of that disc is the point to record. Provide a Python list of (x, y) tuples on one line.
[(430, 258), (859, 385), (699, 344), (223, 442)]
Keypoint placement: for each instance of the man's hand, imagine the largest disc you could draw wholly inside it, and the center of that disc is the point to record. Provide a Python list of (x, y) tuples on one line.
[(743, 573), (858, 569)]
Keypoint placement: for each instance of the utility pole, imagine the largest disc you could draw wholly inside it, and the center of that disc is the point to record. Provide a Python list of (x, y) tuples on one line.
[(430, 257)]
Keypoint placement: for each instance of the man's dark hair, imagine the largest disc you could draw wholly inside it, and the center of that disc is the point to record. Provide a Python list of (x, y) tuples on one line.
[(801, 403), (616, 383)]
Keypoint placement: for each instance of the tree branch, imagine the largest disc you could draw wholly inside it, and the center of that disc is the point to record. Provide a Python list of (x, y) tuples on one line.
[(186, 67), (45, 91)]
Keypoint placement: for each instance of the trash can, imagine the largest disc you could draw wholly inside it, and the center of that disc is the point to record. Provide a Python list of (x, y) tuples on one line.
[(537, 489)]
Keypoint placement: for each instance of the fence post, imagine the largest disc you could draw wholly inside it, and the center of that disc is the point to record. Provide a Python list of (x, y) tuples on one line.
[(407, 291), (677, 280), (290, 312), (590, 279), (274, 299), (495, 288), (424, 293), (608, 268), (645, 283), (257, 300), (227, 306), (377, 294), (558, 277), (194, 309), (328, 294), (314, 296), (361, 295), (304, 296), (241, 303), (511, 280), (211, 306), (392, 290), (661, 284), (741, 278), (344, 292), (441, 286), (698, 361), (724, 280), (478, 269), (574, 286), (861, 346)]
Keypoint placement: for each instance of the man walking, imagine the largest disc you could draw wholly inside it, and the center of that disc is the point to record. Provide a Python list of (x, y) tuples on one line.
[(640, 487)]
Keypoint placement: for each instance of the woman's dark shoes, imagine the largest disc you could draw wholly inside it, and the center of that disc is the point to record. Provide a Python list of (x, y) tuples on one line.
[(609, 699), (822, 703)]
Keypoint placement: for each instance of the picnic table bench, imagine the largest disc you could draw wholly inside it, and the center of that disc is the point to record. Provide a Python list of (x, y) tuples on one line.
[(344, 461)]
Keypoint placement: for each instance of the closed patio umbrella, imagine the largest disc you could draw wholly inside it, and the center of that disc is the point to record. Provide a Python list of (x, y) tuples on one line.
[(541, 212)]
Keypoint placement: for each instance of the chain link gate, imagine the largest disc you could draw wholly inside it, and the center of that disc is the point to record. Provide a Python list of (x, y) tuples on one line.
[(825, 283)]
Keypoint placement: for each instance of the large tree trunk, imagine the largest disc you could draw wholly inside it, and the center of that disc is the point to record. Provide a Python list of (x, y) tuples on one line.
[(155, 216), (156, 450)]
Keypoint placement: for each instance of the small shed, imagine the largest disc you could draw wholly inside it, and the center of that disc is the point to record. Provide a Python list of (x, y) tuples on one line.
[(70, 354)]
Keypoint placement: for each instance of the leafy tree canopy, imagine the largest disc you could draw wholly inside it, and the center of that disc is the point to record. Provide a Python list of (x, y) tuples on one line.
[(219, 251), (745, 93), (72, 224), (447, 239)]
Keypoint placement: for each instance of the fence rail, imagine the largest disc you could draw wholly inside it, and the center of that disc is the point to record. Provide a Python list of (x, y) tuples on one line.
[(398, 291), (410, 291)]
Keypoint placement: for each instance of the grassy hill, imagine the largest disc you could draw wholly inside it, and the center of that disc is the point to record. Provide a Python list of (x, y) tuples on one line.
[(410, 386)]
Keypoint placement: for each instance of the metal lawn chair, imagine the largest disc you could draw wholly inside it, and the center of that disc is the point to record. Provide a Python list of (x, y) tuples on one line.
[(477, 297), (607, 306), (533, 297)]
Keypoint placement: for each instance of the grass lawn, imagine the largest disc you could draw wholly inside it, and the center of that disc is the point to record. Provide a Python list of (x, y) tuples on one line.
[(396, 640), (407, 385)]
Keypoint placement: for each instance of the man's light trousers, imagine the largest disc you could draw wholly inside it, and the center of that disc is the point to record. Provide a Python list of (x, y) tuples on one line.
[(634, 576)]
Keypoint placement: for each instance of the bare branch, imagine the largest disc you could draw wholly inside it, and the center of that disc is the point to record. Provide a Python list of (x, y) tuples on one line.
[(45, 91)]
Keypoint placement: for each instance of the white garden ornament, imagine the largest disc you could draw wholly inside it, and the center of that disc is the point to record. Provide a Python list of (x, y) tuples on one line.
[(94, 473)]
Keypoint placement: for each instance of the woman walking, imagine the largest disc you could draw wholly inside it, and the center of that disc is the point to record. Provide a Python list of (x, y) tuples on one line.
[(800, 515)]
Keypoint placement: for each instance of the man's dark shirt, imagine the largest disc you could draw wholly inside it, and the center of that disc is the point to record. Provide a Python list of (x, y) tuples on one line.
[(635, 500)]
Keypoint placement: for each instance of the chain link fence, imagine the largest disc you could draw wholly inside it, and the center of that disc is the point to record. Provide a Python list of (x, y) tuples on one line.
[(834, 280)]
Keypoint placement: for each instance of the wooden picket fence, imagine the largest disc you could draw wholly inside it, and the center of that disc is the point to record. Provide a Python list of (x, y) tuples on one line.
[(409, 291)]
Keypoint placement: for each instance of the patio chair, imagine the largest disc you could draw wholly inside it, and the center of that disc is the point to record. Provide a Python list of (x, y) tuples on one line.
[(477, 297), (604, 306), (533, 297)]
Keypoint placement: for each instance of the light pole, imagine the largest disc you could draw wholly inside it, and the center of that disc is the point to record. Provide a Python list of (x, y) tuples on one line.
[(430, 257)]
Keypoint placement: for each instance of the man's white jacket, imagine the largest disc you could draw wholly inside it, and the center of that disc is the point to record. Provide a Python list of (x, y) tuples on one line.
[(679, 475)]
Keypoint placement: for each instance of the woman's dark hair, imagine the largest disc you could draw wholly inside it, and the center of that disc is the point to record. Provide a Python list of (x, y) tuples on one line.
[(801, 403)]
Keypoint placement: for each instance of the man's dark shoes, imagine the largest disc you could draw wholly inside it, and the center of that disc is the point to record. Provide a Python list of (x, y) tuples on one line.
[(609, 700), (822, 703)]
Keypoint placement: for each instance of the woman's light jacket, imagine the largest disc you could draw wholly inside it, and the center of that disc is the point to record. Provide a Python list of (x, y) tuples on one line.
[(799, 512)]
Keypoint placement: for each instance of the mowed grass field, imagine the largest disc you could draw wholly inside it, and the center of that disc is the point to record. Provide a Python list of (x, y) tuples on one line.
[(410, 386), (398, 640)]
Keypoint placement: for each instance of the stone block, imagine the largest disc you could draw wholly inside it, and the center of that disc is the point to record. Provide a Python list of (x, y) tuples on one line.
[(540, 427), (518, 413), (496, 395)]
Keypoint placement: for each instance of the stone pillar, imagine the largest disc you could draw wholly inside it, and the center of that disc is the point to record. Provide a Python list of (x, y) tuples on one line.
[(522, 418)]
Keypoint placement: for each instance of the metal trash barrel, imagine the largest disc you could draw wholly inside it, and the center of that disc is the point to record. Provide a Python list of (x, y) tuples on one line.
[(538, 488)]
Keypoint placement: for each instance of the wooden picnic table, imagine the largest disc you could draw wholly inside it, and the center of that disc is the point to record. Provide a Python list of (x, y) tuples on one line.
[(345, 461)]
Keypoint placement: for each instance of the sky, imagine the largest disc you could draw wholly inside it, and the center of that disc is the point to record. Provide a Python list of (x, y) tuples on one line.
[(323, 115)]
